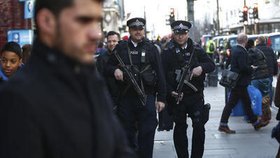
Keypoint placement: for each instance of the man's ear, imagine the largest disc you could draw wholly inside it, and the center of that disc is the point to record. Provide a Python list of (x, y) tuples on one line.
[(46, 22)]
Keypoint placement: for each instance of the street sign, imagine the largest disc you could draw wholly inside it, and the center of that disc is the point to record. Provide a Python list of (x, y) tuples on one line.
[(21, 37), (28, 9)]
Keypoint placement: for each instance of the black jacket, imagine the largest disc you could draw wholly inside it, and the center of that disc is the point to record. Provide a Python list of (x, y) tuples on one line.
[(240, 64), (270, 58), (257, 58), (152, 57), (57, 108), (111, 82), (172, 61)]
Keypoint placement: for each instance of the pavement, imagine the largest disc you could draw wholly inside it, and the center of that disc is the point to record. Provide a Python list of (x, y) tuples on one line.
[(246, 143)]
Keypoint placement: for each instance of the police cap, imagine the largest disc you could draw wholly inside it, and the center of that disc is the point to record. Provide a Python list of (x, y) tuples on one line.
[(181, 26), (136, 23)]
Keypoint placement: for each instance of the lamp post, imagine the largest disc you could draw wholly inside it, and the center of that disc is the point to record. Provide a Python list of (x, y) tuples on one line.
[(190, 4), (245, 18), (218, 17)]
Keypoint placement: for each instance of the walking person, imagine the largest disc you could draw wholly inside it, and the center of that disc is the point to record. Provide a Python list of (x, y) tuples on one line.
[(260, 78), (102, 60), (181, 52), (271, 60), (240, 65), (211, 48), (137, 66), (58, 106)]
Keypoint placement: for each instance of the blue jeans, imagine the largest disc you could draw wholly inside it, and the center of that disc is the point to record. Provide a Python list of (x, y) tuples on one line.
[(263, 85)]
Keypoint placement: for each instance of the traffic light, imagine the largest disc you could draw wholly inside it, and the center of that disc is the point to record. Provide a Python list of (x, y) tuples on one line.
[(171, 16), (255, 12), (245, 14), (240, 14)]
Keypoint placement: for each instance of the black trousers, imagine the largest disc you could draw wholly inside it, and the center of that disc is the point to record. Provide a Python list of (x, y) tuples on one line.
[(139, 123), (236, 94), (191, 105)]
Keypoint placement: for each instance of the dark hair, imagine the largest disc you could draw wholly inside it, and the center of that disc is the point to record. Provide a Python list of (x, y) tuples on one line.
[(250, 44), (110, 33), (26, 52), (55, 6), (262, 40), (12, 47)]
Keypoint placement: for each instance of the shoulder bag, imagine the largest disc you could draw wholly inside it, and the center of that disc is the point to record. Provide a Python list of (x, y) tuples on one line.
[(229, 78)]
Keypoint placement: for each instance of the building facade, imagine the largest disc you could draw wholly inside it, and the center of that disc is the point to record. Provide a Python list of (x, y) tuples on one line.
[(12, 17)]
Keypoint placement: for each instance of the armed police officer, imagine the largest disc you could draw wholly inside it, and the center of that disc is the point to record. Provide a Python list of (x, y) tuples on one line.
[(136, 65), (185, 64)]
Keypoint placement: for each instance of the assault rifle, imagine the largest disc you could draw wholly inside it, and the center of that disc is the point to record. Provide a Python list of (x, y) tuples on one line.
[(141, 95), (184, 79)]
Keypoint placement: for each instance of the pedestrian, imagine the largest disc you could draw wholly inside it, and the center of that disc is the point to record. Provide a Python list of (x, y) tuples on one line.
[(181, 52), (240, 65), (211, 48), (11, 60), (137, 67), (112, 40), (58, 106), (261, 44), (276, 129), (260, 78), (26, 52)]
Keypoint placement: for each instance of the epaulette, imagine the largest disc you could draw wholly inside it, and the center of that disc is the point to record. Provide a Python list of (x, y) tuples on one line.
[(122, 42)]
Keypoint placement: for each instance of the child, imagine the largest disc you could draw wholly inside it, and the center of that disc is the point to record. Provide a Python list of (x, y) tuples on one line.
[(11, 60)]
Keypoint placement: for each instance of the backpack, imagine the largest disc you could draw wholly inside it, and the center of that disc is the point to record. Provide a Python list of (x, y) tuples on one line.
[(211, 47)]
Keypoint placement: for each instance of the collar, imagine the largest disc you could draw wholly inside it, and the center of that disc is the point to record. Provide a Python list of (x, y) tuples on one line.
[(134, 43), (242, 46), (58, 59), (2, 75), (185, 46)]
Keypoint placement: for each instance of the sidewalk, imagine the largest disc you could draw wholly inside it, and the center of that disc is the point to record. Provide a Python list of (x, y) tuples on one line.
[(246, 143)]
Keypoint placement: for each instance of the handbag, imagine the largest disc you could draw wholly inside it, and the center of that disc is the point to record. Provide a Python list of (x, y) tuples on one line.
[(229, 78)]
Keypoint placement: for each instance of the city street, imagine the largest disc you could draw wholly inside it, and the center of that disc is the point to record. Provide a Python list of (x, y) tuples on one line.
[(246, 143)]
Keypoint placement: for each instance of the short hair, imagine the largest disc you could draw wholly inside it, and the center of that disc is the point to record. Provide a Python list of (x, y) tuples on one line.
[(111, 33), (12, 47), (242, 38), (261, 40), (250, 43), (55, 6)]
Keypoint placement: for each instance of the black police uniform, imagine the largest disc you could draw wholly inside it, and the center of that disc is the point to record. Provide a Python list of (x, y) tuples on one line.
[(192, 104), (139, 121)]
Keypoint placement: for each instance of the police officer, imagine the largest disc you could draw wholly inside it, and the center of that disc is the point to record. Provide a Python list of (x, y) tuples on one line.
[(142, 59), (182, 51)]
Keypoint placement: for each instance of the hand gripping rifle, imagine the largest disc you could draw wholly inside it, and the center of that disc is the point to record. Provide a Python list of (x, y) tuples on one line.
[(184, 79), (141, 95)]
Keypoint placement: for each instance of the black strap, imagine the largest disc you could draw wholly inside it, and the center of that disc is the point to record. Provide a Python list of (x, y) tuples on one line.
[(131, 64)]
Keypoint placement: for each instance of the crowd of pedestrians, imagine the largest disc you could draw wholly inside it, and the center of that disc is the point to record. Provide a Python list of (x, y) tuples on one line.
[(59, 99)]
